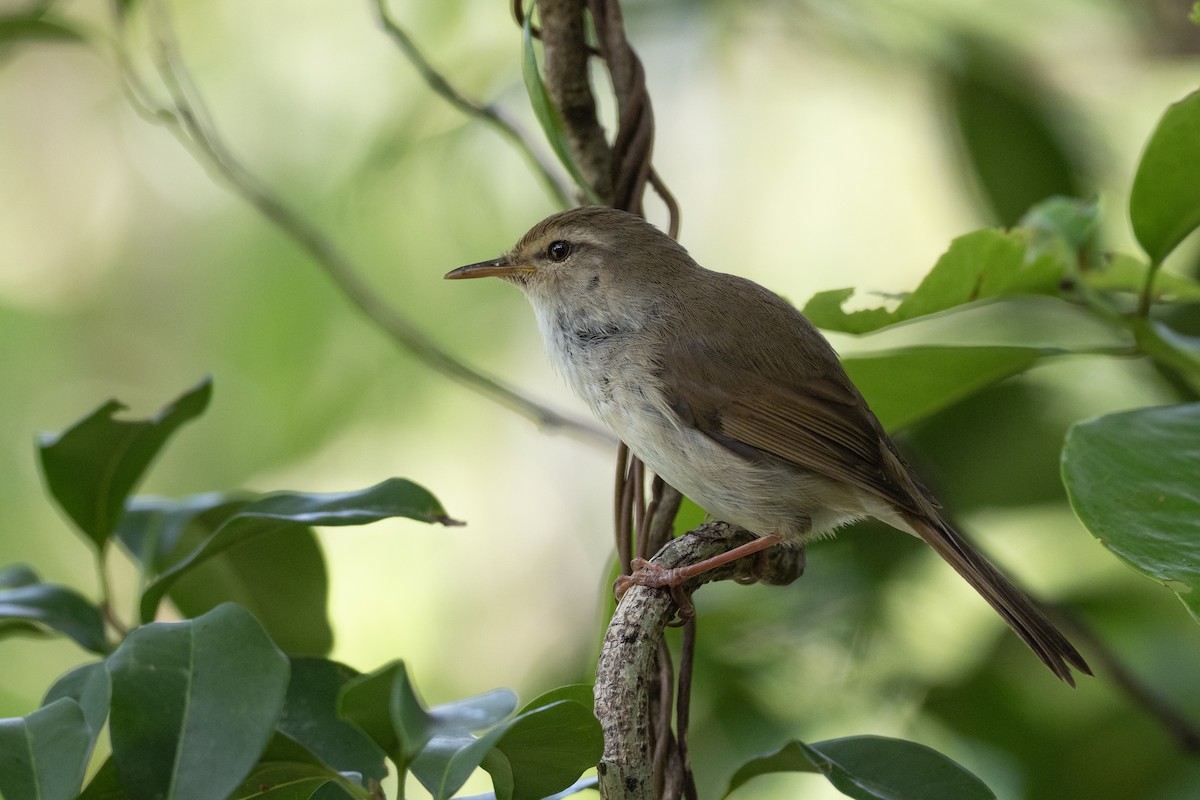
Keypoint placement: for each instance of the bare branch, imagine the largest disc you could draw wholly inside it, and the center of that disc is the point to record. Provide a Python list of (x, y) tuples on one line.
[(493, 115), (187, 119)]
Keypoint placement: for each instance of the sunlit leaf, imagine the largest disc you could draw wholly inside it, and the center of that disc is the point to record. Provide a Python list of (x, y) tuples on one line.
[(872, 768), (293, 511), (93, 466), (1164, 203), (194, 704), (43, 755), (979, 265), (1132, 480), (905, 386)]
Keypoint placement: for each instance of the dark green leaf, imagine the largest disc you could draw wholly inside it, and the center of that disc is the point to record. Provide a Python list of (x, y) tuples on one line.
[(310, 717), (1008, 131), (37, 27), (547, 115), (1179, 353), (88, 686), (289, 599), (291, 511), (57, 608), (979, 265), (105, 784), (547, 747), (872, 768), (453, 753), (1164, 204), (908, 385), (43, 755), (1132, 480), (274, 780), (385, 706), (194, 704), (93, 466)]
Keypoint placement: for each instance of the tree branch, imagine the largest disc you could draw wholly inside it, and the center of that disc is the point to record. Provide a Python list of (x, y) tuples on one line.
[(628, 669)]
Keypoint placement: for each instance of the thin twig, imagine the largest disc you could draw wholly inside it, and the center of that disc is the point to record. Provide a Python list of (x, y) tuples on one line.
[(187, 119), (493, 115)]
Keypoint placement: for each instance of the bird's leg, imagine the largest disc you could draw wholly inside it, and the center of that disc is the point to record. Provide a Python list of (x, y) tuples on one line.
[(646, 573)]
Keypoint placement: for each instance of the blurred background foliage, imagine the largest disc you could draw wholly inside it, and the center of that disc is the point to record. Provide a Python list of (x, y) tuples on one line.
[(812, 145)]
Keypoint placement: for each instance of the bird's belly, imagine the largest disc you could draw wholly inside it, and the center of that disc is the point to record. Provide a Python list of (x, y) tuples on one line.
[(762, 497)]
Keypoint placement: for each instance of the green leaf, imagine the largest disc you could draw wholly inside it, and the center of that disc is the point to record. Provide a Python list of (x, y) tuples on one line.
[(37, 27), (548, 746), (385, 706), (1179, 353), (1131, 479), (907, 385), (546, 113), (105, 784), (310, 717), (1194, 16), (290, 781), (43, 755), (193, 704), (1124, 273), (57, 608), (292, 511), (1164, 203), (453, 752), (1063, 227), (93, 466), (979, 265), (289, 600), (1007, 128), (872, 768), (90, 687)]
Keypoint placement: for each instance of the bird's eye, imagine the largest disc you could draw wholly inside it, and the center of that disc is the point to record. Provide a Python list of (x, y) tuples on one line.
[(558, 250)]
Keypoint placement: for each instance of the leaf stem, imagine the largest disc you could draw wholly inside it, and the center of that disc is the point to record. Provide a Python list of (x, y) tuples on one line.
[(1147, 295)]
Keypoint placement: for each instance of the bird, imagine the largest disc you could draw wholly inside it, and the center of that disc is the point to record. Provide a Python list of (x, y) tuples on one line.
[(734, 398)]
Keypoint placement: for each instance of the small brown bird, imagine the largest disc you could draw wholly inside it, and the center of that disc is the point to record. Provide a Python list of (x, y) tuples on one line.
[(733, 397)]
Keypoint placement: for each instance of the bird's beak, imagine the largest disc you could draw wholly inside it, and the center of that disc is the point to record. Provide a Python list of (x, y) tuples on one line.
[(498, 267)]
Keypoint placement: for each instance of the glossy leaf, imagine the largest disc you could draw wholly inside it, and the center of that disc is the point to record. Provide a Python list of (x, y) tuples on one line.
[(16, 575), (453, 752), (1132, 480), (1164, 203), (93, 466), (1128, 274), (546, 113), (554, 739), (310, 717), (292, 511), (905, 386), (43, 755), (872, 768), (193, 704), (53, 607), (980, 265), (1179, 353), (90, 687)]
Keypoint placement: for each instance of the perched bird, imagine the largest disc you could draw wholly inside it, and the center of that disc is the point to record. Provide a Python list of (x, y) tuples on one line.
[(731, 395)]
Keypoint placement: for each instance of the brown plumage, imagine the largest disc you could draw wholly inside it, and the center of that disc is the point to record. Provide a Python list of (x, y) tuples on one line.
[(732, 396)]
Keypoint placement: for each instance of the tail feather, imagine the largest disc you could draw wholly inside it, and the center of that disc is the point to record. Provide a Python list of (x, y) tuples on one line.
[(1021, 614)]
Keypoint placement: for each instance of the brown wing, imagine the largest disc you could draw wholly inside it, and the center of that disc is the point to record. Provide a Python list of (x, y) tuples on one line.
[(806, 413)]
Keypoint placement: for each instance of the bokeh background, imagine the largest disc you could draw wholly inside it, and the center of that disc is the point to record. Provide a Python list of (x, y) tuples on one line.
[(812, 145)]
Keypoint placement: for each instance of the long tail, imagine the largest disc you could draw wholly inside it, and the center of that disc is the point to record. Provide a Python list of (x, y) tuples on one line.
[(1025, 618)]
